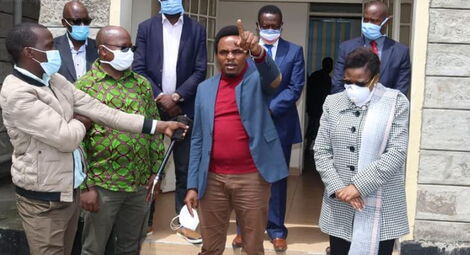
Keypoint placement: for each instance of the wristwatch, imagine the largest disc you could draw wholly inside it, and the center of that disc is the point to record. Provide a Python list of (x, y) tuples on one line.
[(176, 98)]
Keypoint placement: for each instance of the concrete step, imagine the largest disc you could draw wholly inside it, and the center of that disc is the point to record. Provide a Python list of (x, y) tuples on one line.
[(152, 247)]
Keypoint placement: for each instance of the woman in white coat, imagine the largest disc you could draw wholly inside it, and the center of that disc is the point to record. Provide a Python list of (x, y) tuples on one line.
[(360, 153)]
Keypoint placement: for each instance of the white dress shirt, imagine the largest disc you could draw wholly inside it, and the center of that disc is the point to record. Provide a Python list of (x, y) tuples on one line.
[(79, 58), (171, 45), (273, 49)]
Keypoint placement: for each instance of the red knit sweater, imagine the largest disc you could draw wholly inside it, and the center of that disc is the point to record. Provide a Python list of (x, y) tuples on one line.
[(230, 149)]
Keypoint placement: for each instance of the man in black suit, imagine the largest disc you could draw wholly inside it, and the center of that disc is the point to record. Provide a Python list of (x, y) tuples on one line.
[(77, 51)]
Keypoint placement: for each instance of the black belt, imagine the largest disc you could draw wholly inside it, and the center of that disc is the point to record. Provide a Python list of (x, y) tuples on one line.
[(39, 195)]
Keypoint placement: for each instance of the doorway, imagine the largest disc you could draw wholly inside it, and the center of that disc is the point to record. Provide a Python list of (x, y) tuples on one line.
[(330, 24)]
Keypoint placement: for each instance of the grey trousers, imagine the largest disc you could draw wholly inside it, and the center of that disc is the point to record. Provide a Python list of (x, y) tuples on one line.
[(126, 211)]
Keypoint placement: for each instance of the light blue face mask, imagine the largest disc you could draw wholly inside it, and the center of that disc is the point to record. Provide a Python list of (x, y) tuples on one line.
[(372, 31), (52, 65), (79, 33), (270, 36), (171, 7)]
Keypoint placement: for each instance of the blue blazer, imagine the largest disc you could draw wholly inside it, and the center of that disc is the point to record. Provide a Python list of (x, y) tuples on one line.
[(290, 60), (252, 95), (192, 58), (395, 66), (67, 69)]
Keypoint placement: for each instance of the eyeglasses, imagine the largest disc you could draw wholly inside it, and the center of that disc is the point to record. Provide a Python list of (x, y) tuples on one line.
[(132, 48), (78, 22), (236, 53), (358, 83)]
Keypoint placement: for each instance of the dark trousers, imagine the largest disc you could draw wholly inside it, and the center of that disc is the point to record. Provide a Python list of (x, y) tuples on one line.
[(277, 203), (340, 246), (312, 131), (181, 159)]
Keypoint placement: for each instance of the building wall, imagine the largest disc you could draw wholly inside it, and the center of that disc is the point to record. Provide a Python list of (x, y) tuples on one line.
[(30, 13), (51, 15), (442, 208), (295, 29)]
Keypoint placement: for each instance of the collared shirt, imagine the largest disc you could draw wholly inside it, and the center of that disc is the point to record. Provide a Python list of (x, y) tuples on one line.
[(30, 75), (120, 161), (171, 45), (78, 57), (273, 49), (380, 44), (78, 172)]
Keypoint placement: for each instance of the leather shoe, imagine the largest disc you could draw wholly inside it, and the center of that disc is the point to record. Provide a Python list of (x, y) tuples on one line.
[(279, 244), (237, 242)]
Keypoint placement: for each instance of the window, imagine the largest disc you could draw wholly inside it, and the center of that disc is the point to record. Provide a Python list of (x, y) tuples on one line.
[(205, 12)]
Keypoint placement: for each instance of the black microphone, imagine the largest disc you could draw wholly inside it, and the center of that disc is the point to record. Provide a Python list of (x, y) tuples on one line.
[(178, 135)]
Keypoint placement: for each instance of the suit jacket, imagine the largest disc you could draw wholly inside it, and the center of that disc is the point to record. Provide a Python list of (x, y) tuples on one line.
[(254, 92), (395, 66), (290, 60), (68, 69), (192, 58), (336, 152)]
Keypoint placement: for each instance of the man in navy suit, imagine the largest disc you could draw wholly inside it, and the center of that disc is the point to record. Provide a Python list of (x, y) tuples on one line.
[(77, 51), (289, 58), (395, 67), (171, 53)]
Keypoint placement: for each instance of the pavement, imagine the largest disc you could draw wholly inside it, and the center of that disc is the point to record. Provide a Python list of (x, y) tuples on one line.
[(303, 208)]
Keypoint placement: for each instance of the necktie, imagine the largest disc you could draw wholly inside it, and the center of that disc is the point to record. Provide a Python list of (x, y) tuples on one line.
[(269, 47), (374, 47)]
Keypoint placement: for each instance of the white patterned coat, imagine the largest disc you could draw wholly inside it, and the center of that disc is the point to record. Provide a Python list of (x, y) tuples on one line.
[(336, 151)]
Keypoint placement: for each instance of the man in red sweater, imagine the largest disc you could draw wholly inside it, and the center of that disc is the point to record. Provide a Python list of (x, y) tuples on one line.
[(235, 149)]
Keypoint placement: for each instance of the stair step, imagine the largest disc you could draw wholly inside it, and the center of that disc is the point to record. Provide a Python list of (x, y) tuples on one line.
[(154, 247)]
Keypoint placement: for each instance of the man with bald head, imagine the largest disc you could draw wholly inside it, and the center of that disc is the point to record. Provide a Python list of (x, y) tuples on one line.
[(77, 51), (121, 165), (395, 66)]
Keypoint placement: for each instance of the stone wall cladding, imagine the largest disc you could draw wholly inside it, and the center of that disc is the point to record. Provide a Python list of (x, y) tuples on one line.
[(447, 92), (51, 12), (30, 14), (443, 209)]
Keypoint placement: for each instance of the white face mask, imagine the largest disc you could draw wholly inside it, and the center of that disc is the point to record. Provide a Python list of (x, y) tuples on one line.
[(188, 221), (270, 36), (357, 94), (121, 61)]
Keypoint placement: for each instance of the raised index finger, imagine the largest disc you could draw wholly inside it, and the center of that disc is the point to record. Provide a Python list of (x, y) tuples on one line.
[(241, 30)]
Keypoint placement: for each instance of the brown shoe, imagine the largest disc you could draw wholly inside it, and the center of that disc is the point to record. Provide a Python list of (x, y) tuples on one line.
[(279, 244), (237, 242), (189, 235)]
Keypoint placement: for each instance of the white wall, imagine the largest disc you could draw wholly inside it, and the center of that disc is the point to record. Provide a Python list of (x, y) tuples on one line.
[(296, 16), (141, 11)]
